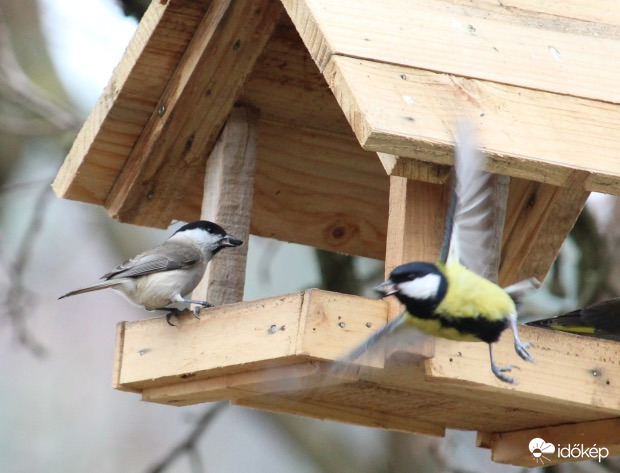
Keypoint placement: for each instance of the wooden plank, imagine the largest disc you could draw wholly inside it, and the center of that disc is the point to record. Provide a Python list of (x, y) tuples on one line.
[(411, 113), (112, 128), (118, 358), (513, 447), (416, 403), (245, 336), (577, 374), (538, 219), (415, 232), (315, 188), (469, 407), (257, 354), (227, 200), (226, 339), (236, 385), (455, 37), (587, 11), (319, 189), (334, 324), (416, 221), (191, 111), (414, 169), (539, 216), (287, 87), (346, 414)]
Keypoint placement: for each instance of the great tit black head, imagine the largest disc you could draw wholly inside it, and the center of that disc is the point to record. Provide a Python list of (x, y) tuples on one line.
[(419, 286)]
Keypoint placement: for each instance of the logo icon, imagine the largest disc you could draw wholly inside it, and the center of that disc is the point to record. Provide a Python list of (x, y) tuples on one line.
[(539, 448)]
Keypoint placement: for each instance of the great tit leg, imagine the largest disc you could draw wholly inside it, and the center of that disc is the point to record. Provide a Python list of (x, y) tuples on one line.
[(499, 371), (520, 347)]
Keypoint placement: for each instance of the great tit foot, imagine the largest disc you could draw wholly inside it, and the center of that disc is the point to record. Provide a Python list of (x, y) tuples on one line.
[(196, 311), (521, 349), (499, 371), (205, 304)]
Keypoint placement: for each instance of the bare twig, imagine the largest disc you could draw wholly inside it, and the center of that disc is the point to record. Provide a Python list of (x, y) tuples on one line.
[(17, 295), (187, 446)]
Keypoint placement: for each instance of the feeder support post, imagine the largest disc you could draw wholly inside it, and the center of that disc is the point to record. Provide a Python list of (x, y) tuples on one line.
[(227, 201), (417, 211)]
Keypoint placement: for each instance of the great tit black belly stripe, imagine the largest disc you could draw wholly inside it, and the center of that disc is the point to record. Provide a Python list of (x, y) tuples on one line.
[(483, 328), (486, 330)]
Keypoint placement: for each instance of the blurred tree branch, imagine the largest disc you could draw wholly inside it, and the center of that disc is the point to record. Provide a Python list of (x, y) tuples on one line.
[(135, 8), (26, 108), (17, 297), (187, 446)]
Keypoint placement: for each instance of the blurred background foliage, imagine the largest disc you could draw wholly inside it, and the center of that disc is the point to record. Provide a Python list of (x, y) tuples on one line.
[(58, 412)]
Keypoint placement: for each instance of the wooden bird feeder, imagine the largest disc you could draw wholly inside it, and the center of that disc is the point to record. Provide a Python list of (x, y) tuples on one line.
[(329, 123)]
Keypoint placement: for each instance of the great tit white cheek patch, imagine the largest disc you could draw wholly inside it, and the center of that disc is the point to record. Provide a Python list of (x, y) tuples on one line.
[(424, 287)]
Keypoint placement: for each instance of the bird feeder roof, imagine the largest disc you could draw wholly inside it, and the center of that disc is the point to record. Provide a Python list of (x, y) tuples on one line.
[(337, 82)]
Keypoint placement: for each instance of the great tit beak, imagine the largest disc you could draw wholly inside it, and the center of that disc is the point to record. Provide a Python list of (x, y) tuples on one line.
[(386, 288), (231, 240)]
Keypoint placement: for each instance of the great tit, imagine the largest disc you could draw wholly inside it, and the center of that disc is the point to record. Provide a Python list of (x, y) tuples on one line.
[(448, 299), (165, 274), (600, 320)]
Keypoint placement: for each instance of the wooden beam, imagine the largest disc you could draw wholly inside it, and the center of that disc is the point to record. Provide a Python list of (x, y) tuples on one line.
[(348, 414), (414, 169), (277, 354), (513, 447), (126, 104), (235, 385), (416, 221), (572, 11), (508, 46), (411, 113), (415, 231), (271, 332), (539, 216), (320, 189), (287, 87), (538, 219), (227, 200), (566, 370), (155, 354), (184, 125)]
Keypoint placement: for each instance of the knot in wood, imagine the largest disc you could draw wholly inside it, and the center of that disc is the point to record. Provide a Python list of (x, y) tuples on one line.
[(340, 232)]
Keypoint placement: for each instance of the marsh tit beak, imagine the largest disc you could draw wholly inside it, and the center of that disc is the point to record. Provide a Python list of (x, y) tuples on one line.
[(231, 240)]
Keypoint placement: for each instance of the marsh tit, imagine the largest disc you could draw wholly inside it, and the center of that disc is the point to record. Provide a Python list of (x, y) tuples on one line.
[(165, 274)]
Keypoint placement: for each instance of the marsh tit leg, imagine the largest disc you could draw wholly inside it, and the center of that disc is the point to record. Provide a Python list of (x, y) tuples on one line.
[(171, 313)]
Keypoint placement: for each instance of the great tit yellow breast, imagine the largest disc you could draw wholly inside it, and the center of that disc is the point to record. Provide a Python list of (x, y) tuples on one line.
[(470, 295), (473, 308)]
